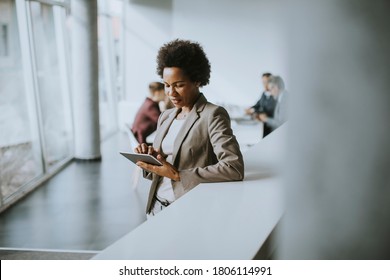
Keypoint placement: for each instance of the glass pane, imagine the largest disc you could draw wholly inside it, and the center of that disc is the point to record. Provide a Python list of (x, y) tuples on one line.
[(104, 108), (52, 96), (20, 159), (116, 7), (110, 64), (106, 89)]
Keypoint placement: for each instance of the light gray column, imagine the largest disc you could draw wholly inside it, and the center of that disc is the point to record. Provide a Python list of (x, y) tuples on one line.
[(337, 181), (85, 79)]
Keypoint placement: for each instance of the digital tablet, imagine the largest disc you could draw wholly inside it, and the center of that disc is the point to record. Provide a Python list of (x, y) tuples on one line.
[(141, 157)]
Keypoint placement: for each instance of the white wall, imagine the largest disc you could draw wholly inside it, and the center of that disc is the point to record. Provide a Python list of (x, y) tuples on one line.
[(242, 39), (148, 25)]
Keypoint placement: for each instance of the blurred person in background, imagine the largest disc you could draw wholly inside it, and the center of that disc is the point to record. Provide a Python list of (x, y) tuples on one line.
[(166, 104), (277, 89), (265, 105), (145, 121)]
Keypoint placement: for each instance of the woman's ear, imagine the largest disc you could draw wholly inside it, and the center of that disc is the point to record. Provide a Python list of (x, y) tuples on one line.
[(197, 84)]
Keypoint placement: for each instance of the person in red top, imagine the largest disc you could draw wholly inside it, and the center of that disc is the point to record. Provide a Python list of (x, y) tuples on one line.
[(145, 122)]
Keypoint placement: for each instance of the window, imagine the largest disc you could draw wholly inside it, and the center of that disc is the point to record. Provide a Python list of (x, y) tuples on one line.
[(35, 115), (53, 98), (20, 154)]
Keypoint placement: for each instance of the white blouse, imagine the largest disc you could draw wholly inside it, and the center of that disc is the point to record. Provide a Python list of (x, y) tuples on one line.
[(165, 195)]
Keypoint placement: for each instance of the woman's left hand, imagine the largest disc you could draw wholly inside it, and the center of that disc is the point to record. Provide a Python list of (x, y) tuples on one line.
[(165, 170)]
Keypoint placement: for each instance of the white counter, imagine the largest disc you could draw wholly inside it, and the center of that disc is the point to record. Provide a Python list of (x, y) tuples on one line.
[(215, 220)]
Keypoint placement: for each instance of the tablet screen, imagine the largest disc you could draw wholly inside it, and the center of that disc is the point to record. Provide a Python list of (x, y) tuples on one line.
[(141, 157)]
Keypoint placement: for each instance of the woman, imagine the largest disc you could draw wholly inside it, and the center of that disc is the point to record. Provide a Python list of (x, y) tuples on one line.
[(194, 140), (277, 89)]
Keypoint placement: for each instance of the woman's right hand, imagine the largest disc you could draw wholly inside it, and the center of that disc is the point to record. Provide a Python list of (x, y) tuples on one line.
[(166, 170), (145, 149)]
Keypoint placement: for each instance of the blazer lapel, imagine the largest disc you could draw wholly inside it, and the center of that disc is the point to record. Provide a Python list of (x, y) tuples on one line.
[(189, 122), (163, 130)]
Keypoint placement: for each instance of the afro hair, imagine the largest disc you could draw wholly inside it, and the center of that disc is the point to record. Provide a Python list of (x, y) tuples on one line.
[(187, 55)]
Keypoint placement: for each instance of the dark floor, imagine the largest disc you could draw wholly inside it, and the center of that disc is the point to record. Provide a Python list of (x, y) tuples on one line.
[(87, 206)]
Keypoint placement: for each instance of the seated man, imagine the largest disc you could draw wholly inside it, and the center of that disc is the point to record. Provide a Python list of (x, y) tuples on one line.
[(145, 122), (266, 105)]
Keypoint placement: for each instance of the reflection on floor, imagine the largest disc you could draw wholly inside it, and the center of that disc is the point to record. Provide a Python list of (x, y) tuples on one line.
[(87, 206)]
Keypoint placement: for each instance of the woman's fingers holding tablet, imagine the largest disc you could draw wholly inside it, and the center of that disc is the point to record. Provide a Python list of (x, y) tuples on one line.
[(161, 158), (141, 149), (166, 170)]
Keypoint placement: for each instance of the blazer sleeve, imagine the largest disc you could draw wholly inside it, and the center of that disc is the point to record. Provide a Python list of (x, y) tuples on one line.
[(230, 165), (259, 106), (147, 174), (256, 107)]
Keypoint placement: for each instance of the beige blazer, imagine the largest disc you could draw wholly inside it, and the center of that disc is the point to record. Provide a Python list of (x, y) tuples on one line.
[(205, 149)]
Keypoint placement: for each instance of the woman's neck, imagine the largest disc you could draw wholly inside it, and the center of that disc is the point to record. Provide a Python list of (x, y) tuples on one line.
[(187, 109)]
